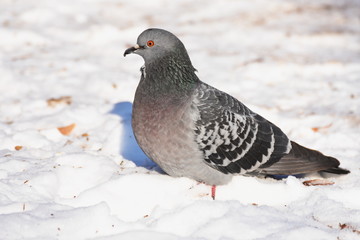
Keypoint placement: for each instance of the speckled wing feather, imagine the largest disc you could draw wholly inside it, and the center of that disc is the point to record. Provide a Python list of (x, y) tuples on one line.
[(232, 138)]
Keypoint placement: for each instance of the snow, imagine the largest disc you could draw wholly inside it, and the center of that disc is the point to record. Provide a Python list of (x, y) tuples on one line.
[(297, 63)]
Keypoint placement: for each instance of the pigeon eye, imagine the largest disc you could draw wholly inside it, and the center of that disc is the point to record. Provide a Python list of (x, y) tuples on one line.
[(150, 43)]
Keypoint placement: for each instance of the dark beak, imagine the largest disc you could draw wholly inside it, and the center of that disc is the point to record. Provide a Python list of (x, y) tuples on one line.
[(132, 49)]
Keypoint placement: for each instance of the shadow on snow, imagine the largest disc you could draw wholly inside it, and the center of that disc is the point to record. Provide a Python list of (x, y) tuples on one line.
[(129, 148)]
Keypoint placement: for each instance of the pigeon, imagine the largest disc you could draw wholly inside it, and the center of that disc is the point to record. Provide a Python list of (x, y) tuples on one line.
[(191, 129)]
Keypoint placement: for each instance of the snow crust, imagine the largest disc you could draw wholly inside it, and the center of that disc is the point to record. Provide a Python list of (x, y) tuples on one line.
[(297, 63)]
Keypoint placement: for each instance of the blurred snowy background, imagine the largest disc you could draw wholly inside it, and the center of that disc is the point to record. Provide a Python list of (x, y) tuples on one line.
[(70, 167)]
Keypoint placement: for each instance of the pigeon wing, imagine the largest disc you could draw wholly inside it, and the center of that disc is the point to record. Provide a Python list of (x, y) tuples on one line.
[(232, 138)]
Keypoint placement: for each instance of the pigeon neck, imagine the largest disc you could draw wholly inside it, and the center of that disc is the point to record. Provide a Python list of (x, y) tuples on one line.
[(170, 76)]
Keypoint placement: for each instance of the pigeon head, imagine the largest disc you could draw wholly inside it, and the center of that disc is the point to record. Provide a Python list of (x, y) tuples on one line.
[(168, 69), (157, 44)]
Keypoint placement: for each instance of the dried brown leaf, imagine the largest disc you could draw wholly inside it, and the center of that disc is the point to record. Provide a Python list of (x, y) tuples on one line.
[(52, 102), (346, 226), (18, 148), (66, 130), (316, 182), (317, 129)]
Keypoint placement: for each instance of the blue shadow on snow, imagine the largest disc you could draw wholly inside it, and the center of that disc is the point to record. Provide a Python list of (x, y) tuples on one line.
[(129, 148)]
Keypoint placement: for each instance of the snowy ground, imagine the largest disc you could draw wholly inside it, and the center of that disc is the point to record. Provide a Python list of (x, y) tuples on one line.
[(296, 63)]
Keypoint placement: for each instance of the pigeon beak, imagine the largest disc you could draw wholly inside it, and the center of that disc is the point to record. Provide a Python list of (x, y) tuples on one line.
[(132, 49)]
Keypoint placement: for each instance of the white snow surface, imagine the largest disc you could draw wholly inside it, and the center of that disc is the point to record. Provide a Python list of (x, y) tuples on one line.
[(297, 63)]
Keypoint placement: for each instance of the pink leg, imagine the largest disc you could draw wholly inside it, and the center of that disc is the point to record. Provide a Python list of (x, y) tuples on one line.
[(213, 191)]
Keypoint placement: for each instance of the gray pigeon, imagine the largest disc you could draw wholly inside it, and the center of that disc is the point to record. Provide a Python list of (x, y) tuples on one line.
[(193, 130)]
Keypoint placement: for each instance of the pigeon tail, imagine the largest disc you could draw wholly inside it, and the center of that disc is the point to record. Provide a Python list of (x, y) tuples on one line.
[(302, 160), (336, 170)]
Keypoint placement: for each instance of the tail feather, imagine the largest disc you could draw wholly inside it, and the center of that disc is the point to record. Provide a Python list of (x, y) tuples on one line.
[(301, 160), (336, 170)]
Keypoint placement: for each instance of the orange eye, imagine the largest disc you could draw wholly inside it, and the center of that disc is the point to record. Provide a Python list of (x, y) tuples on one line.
[(150, 43)]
